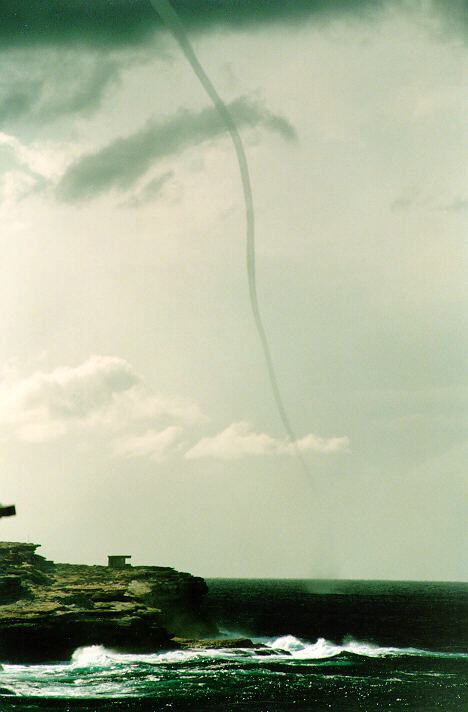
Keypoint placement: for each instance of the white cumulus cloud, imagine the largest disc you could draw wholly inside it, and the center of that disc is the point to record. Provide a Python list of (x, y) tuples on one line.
[(240, 440), (153, 444), (103, 391), (45, 160)]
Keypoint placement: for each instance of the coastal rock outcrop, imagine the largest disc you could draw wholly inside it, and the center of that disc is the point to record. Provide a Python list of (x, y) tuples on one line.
[(48, 610)]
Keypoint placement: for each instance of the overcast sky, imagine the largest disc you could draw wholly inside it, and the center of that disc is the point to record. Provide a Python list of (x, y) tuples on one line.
[(136, 414)]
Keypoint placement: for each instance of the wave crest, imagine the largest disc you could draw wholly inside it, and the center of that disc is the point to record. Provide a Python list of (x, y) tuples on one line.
[(93, 656), (323, 648), (286, 646)]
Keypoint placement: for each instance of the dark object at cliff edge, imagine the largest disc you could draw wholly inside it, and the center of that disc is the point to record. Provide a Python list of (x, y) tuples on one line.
[(48, 610)]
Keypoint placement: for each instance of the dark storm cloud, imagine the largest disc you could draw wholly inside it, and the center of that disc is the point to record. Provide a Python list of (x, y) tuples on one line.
[(81, 22), (121, 163), (17, 98), (46, 85), (150, 191), (126, 22), (122, 23), (101, 30)]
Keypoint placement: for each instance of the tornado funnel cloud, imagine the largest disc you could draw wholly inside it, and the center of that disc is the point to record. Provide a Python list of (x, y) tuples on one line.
[(172, 21)]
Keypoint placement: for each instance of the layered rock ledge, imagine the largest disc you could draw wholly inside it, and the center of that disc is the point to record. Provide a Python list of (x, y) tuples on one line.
[(48, 610)]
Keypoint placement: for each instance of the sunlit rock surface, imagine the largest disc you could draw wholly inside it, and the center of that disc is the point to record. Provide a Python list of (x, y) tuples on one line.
[(47, 610)]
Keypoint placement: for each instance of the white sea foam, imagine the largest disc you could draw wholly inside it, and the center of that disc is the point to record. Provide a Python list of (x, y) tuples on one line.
[(323, 648), (300, 649), (93, 656), (99, 656), (287, 646), (99, 671)]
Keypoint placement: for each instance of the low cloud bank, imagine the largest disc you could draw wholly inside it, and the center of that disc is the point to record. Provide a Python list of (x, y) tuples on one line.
[(105, 396), (240, 440)]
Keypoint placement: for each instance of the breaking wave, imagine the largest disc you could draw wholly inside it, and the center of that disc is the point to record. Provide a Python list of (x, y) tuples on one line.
[(287, 646), (98, 672), (323, 648)]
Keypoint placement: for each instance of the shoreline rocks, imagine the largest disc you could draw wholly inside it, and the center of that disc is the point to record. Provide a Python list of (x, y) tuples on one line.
[(215, 643), (48, 610)]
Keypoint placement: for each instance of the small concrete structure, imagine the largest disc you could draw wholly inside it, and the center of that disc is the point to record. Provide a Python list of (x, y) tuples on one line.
[(119, 561)]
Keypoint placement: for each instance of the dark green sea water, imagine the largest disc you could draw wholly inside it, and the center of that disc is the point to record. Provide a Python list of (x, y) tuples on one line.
[(329, 646)]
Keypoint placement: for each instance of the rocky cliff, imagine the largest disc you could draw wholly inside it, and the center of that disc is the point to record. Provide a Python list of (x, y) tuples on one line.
[(47, 610)]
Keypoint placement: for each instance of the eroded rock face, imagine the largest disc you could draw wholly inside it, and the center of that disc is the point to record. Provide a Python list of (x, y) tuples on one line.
[(47, 610)]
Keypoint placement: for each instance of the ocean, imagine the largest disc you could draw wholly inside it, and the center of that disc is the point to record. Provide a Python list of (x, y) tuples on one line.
[(327, 645)]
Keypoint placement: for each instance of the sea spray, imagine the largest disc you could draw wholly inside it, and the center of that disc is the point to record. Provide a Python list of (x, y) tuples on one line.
[(411, 654), (287, 664), (172, 21)]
